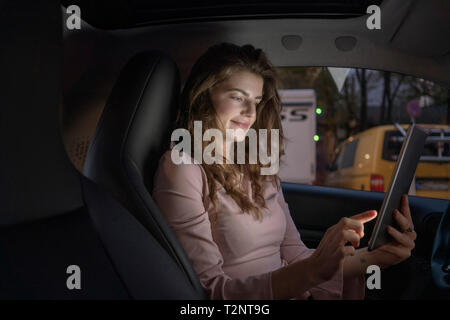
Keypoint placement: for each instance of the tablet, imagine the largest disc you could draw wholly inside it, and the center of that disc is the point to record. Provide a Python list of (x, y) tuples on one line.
[(402, 177)]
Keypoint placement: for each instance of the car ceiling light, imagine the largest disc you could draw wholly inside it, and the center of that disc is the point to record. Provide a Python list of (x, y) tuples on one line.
[(345, 43), (291, 42)]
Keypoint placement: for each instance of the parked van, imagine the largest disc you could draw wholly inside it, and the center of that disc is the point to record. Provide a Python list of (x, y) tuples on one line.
[(366, 161), (298, 118)]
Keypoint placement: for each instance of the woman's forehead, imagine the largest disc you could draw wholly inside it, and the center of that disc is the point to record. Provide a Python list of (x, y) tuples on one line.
[(243, 81)]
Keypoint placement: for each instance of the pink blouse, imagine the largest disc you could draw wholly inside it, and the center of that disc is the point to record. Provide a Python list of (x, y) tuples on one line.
[(235, 256)]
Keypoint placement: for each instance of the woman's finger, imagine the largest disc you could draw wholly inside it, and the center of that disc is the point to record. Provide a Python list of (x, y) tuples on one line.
[(366, 216), (402, 221), (405, 225), (412, 235), (348, 235), (401, 238), (405, 207), (352, 224), (348, 251)]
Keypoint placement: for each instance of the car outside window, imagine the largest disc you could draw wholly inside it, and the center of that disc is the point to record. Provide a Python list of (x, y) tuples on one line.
[(349, 154), (355, 134)]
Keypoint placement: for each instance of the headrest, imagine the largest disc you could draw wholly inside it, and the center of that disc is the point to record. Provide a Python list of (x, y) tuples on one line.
[(135, 126), (36, 178)]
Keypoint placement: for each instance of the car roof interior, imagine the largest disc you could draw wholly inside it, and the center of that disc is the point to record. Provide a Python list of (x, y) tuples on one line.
[(302, 34), (324, 40)]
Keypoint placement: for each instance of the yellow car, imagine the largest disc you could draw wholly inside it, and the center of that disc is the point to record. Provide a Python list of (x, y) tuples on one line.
[(366, 161)]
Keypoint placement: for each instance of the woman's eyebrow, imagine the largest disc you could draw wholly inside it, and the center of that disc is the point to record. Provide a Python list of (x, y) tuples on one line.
[(243, 92)]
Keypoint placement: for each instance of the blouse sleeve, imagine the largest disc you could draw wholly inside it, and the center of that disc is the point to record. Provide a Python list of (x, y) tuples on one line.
[(293, 249), (179, 192)]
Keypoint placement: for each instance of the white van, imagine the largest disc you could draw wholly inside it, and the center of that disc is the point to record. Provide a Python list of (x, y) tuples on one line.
[(298, 117)]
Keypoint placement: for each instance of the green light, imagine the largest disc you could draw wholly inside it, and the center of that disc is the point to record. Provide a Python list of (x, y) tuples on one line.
[(316, 137), (319, 110)]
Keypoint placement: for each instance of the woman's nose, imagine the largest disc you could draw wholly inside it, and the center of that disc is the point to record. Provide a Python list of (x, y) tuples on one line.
[(250, 108)]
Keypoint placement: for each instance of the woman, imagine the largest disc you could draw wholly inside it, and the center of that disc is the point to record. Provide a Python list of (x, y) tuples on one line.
[(233, 221)]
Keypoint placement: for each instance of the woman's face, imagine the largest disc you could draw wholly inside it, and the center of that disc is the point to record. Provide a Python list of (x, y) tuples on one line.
[(235, 101)]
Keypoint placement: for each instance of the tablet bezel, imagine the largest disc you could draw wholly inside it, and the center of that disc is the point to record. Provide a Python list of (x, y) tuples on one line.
[(379, 234)]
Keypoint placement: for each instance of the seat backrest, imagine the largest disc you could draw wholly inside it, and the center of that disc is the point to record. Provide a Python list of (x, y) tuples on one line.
[(133, 132), (59, 230)]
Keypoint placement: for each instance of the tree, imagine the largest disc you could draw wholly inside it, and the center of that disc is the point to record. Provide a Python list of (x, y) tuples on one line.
[(389, 95), (361, 76)]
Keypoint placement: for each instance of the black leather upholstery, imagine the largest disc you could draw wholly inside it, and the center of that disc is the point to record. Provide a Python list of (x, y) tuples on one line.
[(117, 256), (51, 216), (133, 132)]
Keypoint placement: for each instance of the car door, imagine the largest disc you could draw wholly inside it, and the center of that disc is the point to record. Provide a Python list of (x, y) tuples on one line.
[(316, 207)]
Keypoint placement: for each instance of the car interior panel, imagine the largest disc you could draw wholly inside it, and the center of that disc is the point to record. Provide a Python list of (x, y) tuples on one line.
[(86, 114)]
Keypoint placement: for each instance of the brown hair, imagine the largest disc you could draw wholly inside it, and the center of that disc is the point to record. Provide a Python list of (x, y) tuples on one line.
[(217, 64)]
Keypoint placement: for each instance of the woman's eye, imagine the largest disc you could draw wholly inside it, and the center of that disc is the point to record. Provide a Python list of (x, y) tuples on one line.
[(237, 98)]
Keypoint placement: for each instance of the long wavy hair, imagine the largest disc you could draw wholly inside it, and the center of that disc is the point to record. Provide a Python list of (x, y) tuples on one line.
[(217, 64)]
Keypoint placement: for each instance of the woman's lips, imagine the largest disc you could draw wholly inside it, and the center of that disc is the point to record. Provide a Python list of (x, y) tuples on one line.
[(242, 125)]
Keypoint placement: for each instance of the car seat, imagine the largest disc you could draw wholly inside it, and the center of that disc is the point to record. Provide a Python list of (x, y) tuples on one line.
[(133, 132), (52, 219)]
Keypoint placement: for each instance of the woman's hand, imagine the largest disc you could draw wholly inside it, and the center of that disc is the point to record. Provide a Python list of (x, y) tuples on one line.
[(329, 256), (403, 240)]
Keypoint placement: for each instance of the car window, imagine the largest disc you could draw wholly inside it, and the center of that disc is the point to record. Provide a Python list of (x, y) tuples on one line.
[(353, 119), (348, 157), (436, 148)]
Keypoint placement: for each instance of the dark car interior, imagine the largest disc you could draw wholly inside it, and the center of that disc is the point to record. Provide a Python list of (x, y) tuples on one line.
[(54, 217), (86, 115)]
